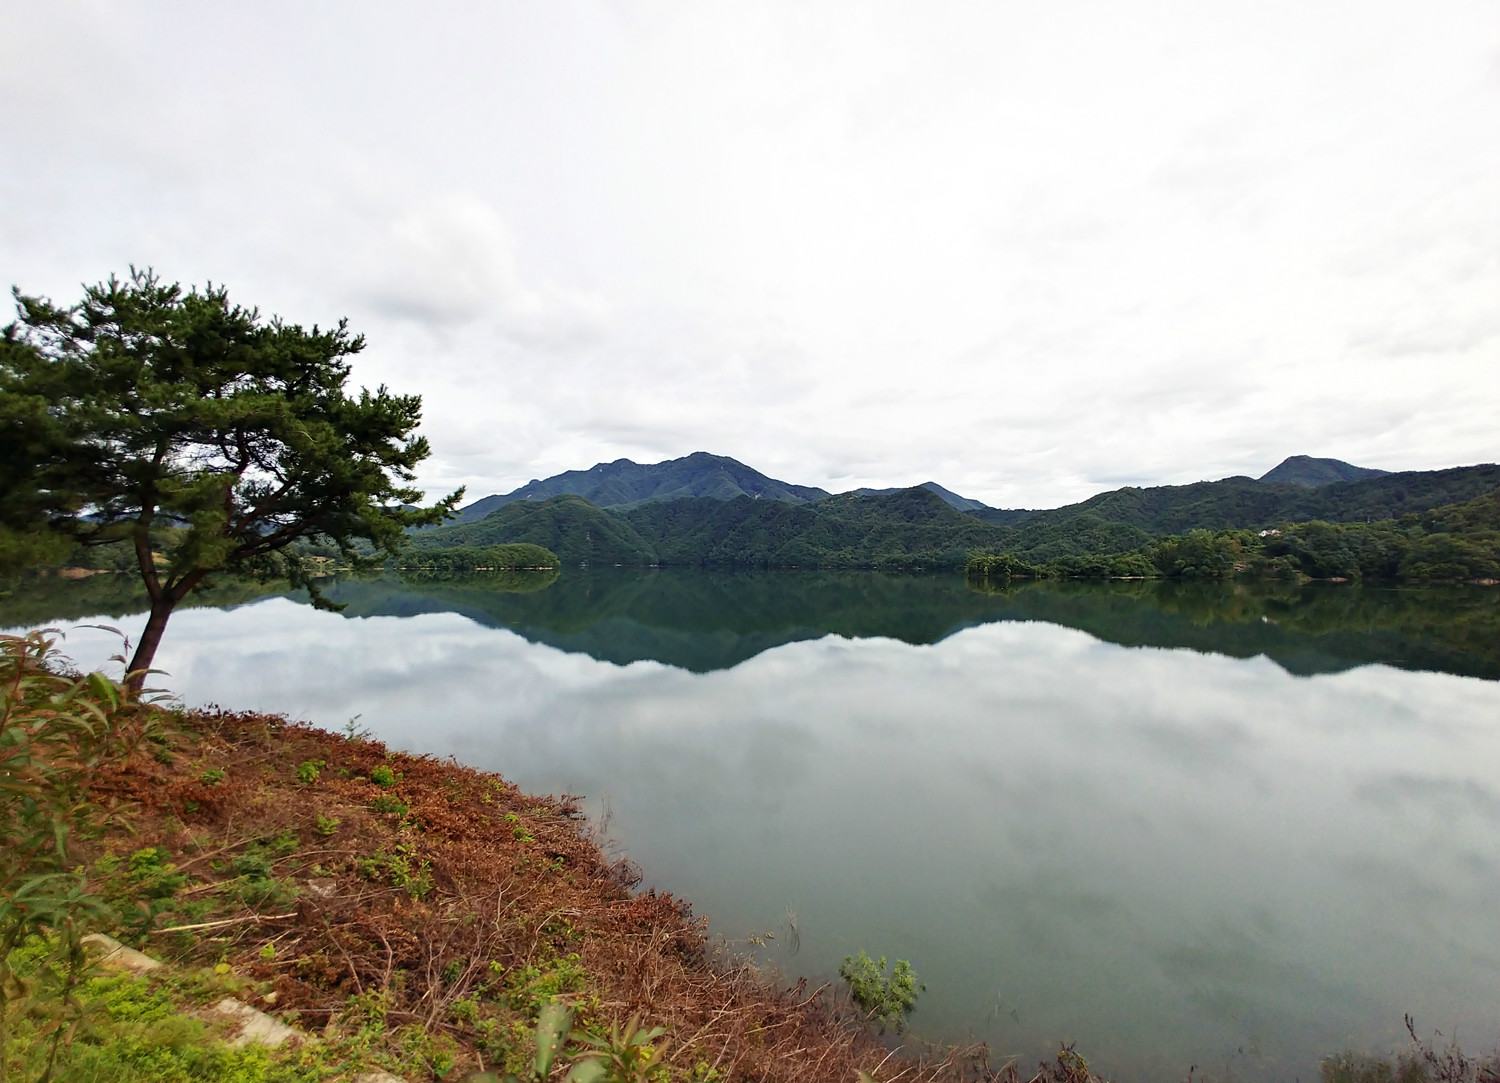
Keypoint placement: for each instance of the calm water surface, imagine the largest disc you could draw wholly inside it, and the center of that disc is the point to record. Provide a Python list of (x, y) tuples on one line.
[(1233, 827)]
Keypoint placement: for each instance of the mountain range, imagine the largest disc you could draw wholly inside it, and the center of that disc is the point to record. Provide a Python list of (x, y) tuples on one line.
[(708, 510), (625, 483)]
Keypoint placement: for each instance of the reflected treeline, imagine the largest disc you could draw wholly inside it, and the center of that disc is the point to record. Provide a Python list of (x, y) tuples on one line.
[(37, 600), (703, 620), (1306, 628), (695, 620), (498, 581)]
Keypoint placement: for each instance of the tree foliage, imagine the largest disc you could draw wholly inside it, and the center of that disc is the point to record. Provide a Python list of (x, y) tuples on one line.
[(1459, 542), (207, 437)]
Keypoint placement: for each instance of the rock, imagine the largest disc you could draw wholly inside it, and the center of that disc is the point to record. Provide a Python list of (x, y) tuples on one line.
[(378, 1077), (254, 1027), (116, 956)]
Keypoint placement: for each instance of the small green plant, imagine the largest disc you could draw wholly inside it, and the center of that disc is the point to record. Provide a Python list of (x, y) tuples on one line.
[(308, 771), (383, 776), (886, 999), (518, 829), (268, 951), (327, 825), (531, 988), (552, 1030), (253, 864), (390, 803), (152, 875), (403, 869), (212, 777), (621, 1056), (465, 1009)]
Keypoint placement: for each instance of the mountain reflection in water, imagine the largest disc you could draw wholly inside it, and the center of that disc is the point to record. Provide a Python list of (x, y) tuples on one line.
[(708, 620), (703, 621)]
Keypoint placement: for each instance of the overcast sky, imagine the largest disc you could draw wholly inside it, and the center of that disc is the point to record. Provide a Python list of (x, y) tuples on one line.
[(1030, 251)]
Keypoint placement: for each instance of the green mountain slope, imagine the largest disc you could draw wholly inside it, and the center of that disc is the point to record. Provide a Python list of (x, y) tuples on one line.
[(920, 527), (952, 499), (1306, 470), (624, 483), (577, 531), (911, 528), (1246, 503), (1455, 543)]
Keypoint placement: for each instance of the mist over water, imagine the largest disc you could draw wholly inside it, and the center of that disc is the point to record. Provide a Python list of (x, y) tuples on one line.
[(1219, 827)]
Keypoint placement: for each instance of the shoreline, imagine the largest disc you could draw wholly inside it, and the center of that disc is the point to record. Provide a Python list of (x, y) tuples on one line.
[(441, 898)]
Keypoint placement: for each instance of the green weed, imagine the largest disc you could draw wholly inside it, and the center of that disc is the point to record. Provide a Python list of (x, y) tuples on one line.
[(390, 803), (403, 869), (531, 988), (886, 999)]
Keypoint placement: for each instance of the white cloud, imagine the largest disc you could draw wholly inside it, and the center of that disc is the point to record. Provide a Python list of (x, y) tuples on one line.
[(1017, 250)]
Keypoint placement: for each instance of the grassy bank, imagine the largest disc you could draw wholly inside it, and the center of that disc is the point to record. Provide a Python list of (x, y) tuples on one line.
[(406, 913)]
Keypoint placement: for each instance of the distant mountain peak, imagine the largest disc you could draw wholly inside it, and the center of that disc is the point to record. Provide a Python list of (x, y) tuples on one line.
[(952, 499), (1311, 472), (625, 483)]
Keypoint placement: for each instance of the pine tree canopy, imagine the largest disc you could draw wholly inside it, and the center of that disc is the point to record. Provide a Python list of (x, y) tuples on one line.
[(207, 436)]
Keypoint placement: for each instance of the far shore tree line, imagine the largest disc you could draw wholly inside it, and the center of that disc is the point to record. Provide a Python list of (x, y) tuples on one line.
[(1460, 543)]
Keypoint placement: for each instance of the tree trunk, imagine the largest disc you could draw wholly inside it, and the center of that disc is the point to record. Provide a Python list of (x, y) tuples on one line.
[(145, 651)]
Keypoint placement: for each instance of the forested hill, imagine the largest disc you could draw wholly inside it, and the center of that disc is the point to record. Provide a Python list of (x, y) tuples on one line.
[(623, 484), (1306, 470), (1248, 503), (1299, 488), (952, 499), (576, 530), (911, 528), (917, 528)]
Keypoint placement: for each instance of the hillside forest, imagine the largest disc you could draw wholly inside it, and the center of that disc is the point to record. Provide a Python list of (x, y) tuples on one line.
[(1418, 525)]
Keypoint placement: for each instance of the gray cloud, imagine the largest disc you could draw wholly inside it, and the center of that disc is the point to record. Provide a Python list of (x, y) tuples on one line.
[(1023, 253)]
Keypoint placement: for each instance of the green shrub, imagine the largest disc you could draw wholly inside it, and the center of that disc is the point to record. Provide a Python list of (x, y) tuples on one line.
[(390, 803), (886, 999), (531, 988), (403, 869)]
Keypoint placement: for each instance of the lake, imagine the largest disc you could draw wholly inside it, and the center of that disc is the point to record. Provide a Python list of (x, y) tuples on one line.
[(1231, 826)]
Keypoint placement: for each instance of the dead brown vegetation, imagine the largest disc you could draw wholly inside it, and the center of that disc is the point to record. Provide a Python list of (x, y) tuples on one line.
[(446, 898)]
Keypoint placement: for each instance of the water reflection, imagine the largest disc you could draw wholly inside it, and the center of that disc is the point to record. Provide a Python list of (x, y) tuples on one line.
[(703, 621), (1174, 857)]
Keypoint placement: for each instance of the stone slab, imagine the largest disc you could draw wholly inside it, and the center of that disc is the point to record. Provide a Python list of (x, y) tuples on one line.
[(254, 1027), (114, 955)]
